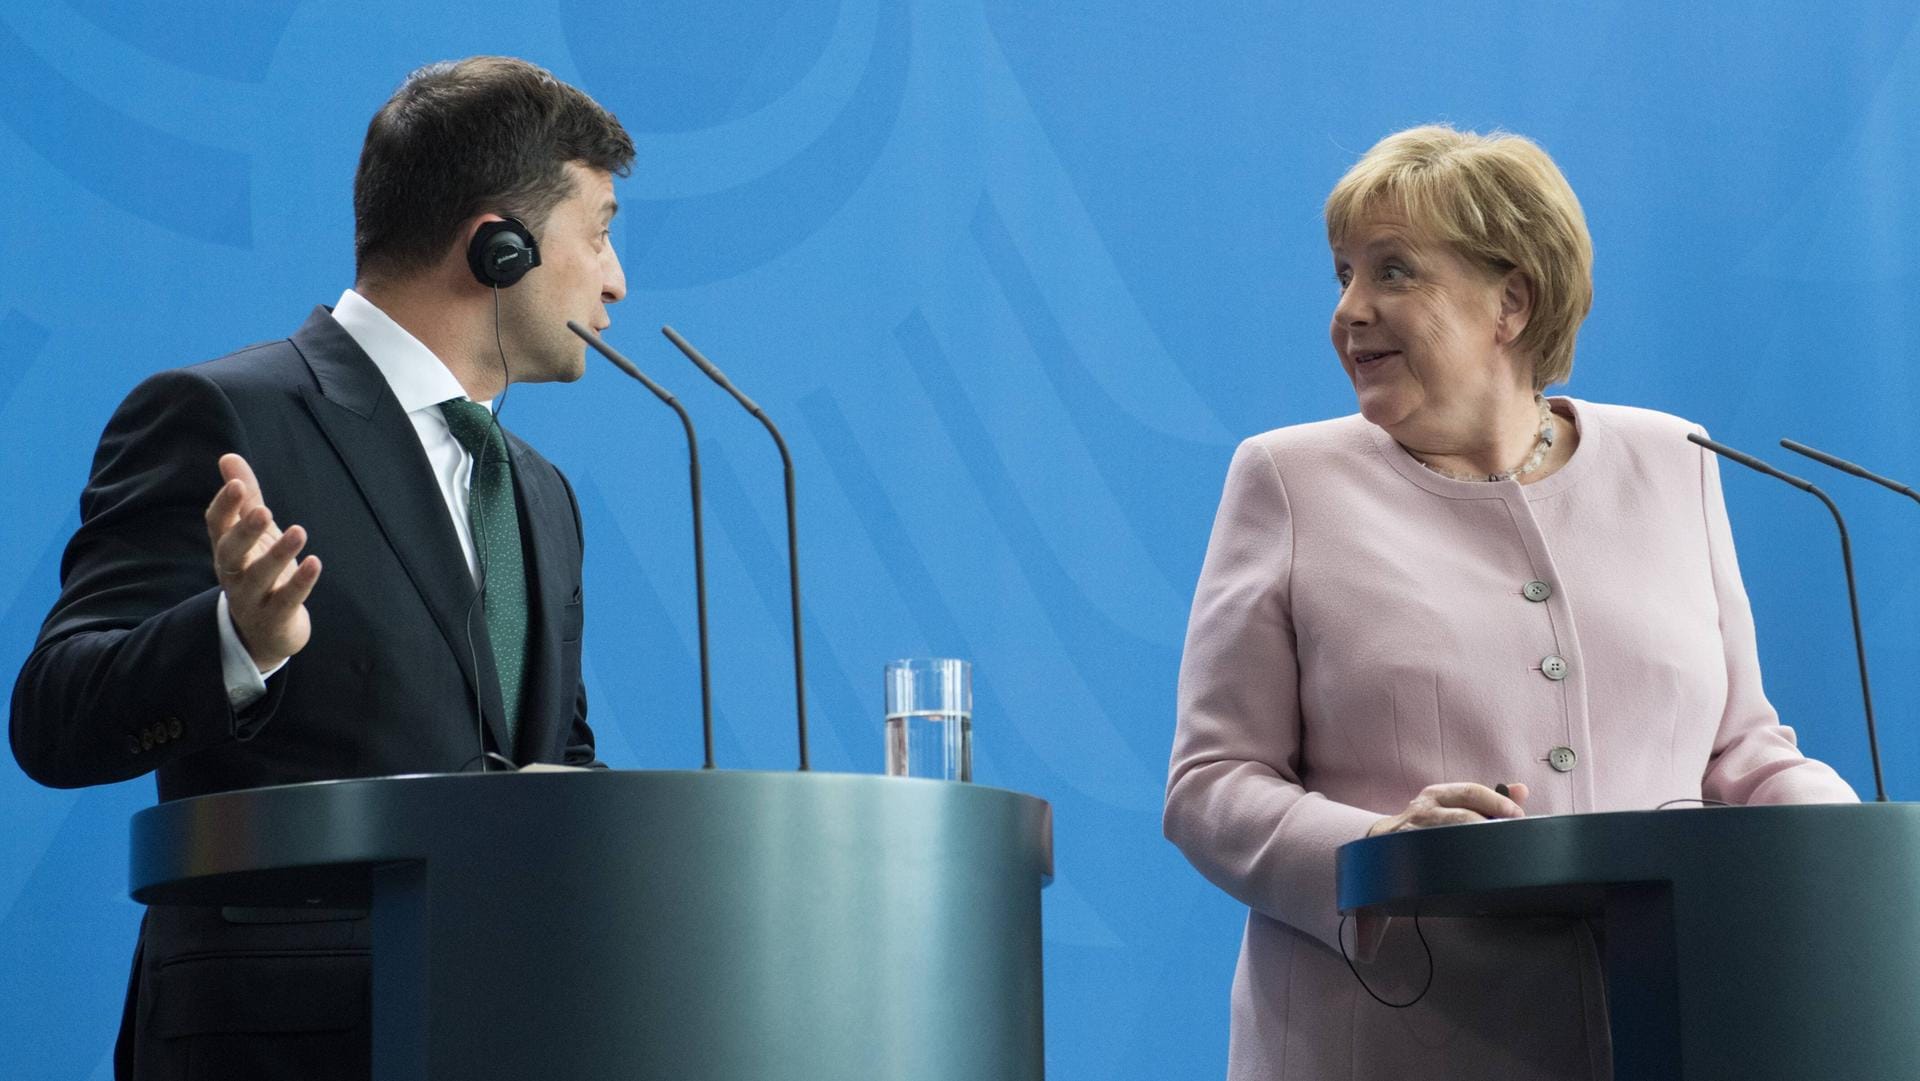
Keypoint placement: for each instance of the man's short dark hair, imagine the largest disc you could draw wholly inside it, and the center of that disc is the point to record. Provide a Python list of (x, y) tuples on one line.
[(488, 134)]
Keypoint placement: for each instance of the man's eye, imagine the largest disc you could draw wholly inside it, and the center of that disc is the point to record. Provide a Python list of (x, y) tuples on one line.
[(1343, 277)]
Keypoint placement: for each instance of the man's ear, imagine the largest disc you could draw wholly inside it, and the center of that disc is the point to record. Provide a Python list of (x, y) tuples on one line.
[(1516, 306), (471, 226)]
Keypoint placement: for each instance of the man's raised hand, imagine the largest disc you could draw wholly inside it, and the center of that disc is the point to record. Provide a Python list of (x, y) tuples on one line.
[(255, 562)]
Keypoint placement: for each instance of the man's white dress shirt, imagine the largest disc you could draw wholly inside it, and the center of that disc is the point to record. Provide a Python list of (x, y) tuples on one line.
[(421, 382)]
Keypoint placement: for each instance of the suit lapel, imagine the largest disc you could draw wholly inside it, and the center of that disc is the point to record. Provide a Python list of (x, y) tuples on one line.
[(359, 415)]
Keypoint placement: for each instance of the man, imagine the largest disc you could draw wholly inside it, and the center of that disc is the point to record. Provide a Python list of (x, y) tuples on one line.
[(193, 638)]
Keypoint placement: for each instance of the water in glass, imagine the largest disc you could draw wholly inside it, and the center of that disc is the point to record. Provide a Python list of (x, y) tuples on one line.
[(929, 743)]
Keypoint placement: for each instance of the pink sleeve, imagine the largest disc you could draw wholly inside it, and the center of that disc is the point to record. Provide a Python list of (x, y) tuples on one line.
[(1755, 758), (1235, 803)]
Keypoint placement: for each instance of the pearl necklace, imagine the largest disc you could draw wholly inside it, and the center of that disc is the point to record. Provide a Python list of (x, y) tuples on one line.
[(1539, 455)]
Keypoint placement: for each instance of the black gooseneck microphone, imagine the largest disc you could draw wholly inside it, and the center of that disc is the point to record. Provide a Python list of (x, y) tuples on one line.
[(699, 542), (1845, 466), (1853, 597), (793, 542)]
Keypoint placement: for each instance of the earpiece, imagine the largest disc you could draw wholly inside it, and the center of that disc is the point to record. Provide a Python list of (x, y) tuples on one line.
[(502, 252)]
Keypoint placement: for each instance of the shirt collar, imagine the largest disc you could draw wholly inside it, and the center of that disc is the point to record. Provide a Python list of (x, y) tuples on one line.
[(418, 378)]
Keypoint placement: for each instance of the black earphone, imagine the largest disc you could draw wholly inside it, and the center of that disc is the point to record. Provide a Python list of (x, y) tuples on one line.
[(502, 252)]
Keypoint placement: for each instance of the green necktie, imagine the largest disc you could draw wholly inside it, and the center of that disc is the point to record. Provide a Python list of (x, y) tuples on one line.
[(496, 536)]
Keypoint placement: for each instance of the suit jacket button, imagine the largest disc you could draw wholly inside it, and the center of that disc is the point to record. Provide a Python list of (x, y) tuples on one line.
[(1536, 591), (146, 739), (133, 744), (1555, 668), (174, 727)]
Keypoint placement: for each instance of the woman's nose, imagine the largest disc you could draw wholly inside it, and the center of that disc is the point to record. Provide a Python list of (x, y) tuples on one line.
[(1355, 308)]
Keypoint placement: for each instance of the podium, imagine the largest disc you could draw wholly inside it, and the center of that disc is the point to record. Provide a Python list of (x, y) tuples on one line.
[(1755, 943), (652, 925)]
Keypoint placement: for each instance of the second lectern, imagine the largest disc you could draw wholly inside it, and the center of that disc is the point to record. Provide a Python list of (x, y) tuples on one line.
[(1741, 943)]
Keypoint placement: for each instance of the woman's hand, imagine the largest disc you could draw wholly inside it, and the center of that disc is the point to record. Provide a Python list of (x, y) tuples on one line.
[(1452, 804)]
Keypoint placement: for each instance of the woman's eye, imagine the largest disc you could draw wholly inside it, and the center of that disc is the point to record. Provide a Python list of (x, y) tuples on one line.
[(1393, 272)]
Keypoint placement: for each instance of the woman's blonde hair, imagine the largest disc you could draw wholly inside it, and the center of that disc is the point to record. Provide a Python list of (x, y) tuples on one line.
[(1499, 200)]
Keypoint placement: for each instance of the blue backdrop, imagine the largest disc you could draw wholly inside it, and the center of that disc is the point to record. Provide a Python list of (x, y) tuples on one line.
[(1016, 278)]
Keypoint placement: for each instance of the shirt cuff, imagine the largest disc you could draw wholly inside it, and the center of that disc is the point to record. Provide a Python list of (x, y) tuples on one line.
[(246, 683)]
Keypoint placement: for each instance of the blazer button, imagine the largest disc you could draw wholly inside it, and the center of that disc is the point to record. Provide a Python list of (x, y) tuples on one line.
[(1561, 759), (1554, 668), (133, 744), (174, 728), (146, 739), (1536, 591)]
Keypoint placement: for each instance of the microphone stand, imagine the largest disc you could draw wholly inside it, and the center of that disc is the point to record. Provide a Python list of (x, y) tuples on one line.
[(1853, 597), (793, 542), (699, 543)]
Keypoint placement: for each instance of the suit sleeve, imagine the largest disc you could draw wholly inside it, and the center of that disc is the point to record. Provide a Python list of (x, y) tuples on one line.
[(1755, 758), (126, 674), (1235, 802), (579, 750)]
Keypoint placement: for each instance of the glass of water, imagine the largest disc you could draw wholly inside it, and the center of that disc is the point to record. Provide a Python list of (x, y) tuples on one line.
[(930, 718)]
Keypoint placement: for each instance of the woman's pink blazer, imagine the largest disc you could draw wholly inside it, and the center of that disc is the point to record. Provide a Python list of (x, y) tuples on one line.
[(1364, 627)]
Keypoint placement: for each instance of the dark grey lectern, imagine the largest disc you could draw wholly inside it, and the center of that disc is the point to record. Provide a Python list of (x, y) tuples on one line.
[(641, 925), (1749, 943)]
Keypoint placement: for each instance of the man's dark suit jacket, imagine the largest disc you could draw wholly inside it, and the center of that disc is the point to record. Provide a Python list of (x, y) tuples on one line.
[(126, 676)]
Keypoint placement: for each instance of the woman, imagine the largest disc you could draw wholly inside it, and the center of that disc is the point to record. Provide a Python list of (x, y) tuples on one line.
[(1467, 583)]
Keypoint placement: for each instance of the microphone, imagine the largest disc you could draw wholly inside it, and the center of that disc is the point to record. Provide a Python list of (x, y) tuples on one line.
[(699, 543), (1845, 466), (1853, 597), (793, 543)]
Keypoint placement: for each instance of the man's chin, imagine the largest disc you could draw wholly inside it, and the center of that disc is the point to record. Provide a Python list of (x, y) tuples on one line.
[(564, 369)]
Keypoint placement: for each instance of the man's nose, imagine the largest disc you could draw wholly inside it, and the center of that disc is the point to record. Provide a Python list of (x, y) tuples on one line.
[(614, 286)]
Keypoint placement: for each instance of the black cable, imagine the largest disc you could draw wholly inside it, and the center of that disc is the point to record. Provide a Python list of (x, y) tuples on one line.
[(1340, 936), (480, 557), (506, 377)]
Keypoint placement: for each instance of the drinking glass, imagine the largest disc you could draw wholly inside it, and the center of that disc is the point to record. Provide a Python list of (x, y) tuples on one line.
[(930, 718)]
